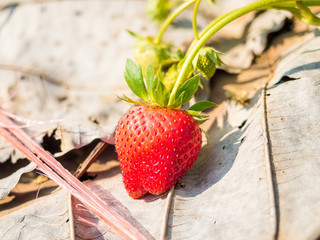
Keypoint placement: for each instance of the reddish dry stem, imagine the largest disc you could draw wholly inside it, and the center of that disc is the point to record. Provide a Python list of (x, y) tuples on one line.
[(46, 163), (90, 159)]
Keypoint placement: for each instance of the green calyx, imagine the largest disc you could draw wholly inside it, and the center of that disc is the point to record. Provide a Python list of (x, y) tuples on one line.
[(147, 50), (160, 9), (152, 91), (153, 77), (206, 61)]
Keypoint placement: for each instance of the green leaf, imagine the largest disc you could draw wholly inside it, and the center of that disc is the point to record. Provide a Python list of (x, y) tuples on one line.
[(197, 114), (188, 89), (135, 35), (134, 79), (161, 95), (151, 81), (178, 101), (180, 54), (202, 105), (200, 121), (206, 135), (129, 100), (213, 54)]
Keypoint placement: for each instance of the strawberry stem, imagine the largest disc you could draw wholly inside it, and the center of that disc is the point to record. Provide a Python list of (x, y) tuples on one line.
[(219, 23), (194, 19), (171, 17), (206, 29), (306, 15)]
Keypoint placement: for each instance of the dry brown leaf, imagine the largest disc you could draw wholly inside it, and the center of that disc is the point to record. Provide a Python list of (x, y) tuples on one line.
[(8, 183)]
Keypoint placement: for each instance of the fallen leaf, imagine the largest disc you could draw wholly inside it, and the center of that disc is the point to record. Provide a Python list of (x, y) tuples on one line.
[(45, 219), (8, 183), (292, 111)]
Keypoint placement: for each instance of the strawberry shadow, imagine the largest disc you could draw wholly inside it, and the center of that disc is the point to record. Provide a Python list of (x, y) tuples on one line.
[(217, 158)]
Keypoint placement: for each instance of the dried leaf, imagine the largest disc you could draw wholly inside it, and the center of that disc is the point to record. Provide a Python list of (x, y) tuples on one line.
[(292, 110), (8, 183), (46, 218), (268, 22), (240, 52)]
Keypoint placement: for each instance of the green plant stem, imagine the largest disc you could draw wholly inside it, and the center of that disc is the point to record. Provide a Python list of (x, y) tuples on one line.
[(171, 17), (306, 15), (298, 12), (291, 3), (282, 5), (172, 4), (215, 26), (206, 29), (289, 6), (194, 19)]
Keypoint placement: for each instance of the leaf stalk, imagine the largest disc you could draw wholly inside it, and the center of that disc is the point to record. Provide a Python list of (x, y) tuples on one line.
[(225, 19)]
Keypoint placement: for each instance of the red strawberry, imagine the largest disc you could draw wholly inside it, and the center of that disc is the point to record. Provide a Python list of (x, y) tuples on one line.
[(156, 142), (156, 146)]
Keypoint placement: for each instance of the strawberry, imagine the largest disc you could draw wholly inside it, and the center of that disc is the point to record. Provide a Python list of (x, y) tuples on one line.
[(147, 50), (146, 55), (159, 9), (206, 61), (170, 76), (157, 142), (206, 66), (156, 146)]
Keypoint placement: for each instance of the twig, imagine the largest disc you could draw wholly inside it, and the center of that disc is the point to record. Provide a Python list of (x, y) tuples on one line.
[(90, 159), (164, 226), (46, 163)]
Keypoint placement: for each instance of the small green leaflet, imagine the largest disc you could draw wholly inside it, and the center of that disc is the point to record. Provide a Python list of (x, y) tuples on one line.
[(134, 79), (161, 95), (153, 91), (129, 100), (197, 114), (195, 110), (206, 135), (134, 34), (151, 81), (202, 105), (188, 89), (213, 54), (200, 121), (180, 54)]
